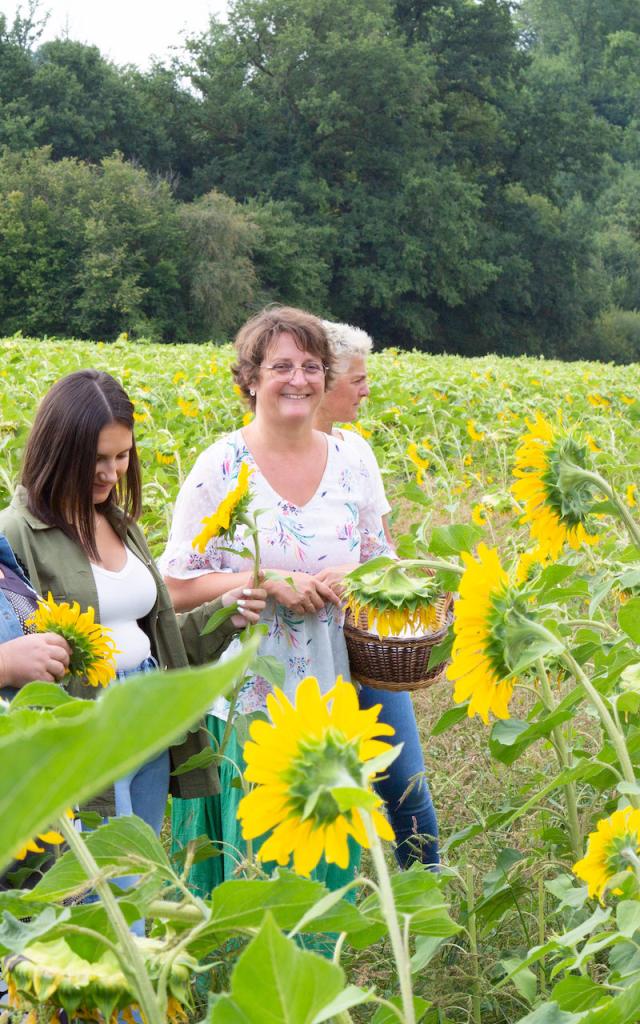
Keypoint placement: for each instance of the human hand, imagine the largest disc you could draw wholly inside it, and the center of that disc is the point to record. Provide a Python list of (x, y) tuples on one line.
[(36, 656), (251, 602), (301, 592), (334, 575)]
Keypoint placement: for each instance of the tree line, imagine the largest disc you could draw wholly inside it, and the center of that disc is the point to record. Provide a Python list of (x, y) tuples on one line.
[(454, 175)]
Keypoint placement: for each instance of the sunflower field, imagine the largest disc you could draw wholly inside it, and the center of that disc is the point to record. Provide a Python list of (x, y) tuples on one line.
[(517, 482)]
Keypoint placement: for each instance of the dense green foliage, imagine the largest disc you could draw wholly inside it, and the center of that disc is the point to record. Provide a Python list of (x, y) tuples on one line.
[(462, 176), (505, 932)]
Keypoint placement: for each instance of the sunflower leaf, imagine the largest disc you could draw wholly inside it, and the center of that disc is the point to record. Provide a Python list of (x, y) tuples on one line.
[(348, 797), (52, 766), (382, 761), (15, 934), (451, 540), (41, 695), (629, 619), (296, 985), (218, 617)]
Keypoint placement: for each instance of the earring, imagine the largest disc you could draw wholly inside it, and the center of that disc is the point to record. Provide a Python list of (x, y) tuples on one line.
[(252, 392)]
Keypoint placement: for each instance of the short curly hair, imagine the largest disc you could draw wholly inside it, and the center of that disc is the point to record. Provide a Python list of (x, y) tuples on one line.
[(346, 342), (256, 336)]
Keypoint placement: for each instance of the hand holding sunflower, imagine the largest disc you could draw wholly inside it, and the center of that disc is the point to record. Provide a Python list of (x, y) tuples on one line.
[(93, 650)]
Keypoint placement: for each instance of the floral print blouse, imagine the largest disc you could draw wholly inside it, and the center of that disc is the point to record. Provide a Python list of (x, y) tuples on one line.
[(338, 525)]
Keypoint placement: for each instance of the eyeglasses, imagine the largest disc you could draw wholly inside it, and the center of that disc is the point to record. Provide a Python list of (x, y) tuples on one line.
[(285, 372)]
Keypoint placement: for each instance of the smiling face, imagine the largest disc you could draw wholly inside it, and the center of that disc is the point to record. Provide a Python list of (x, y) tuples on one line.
[(342, 402), (112, 459), (288, 401)]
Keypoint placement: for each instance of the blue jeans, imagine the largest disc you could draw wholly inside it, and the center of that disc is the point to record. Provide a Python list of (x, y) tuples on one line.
[(144, 792), (404, 789)]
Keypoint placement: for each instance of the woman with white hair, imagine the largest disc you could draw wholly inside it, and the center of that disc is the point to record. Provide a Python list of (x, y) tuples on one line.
[(404, 789), (350, 347)]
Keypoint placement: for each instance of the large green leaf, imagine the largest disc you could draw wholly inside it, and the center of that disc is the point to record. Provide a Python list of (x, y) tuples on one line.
[(628, 917), (16, 934), (577, 993), (128, 845), (238, 906), (525, 980), (275, 982), (549, 1013), (623, 1008), (451, 540), (629, 618), (418, 896), (350, 996), (56, 763), (511, 737), (450, 718), (54, 923), (41, 695), (385, 1015)]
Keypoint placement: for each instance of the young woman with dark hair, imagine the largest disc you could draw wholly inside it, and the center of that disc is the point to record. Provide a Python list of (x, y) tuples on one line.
[(72, 525)]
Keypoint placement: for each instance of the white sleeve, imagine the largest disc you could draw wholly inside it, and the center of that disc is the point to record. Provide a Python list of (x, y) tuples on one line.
[(373, 541), (366, 453), (372, 537), (199, 496)]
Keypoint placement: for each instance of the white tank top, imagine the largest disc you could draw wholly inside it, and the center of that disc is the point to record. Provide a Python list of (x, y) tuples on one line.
[(125, 597)]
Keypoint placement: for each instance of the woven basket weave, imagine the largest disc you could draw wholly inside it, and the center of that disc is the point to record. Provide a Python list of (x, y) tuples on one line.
[(394, 662)]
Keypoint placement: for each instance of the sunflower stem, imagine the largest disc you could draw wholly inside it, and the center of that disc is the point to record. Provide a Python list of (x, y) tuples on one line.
[(605, 487), (476, 1008), (256, 561), (566, 761), (228, 725), (388, 907), (615, 735), (542, 931), (431, 563), (129, 955), (250, 521)]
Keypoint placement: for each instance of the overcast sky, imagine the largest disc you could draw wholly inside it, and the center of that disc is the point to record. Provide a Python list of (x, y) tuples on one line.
[(126, 31)]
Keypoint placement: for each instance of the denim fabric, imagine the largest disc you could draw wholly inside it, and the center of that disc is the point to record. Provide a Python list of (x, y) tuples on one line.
[(10, 627), (404, 789), (144, 791)]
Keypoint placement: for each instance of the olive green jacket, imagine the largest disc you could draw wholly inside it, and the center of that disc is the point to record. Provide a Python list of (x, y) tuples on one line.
[(57, 564)]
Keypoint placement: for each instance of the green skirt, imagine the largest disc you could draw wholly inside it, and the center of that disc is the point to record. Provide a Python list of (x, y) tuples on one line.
[(217, 818)]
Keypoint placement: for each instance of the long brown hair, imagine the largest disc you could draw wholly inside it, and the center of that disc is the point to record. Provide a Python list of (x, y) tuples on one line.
[(59, 463)]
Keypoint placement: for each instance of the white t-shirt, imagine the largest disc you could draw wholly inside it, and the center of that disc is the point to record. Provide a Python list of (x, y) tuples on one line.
[(124, 597), (338, 525), (365, 452)]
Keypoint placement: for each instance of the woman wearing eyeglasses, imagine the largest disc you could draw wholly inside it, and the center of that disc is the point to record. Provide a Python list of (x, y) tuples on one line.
[(317, 519)]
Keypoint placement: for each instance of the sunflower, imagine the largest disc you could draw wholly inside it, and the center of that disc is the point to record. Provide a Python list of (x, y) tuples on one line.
[(421, 464), (529, 563), (392, 599), (556, 509), (309, 764), (93, 649), (478, 663), (610, 849), (473, 433), (479, 514), (51, 974), (226, 516)]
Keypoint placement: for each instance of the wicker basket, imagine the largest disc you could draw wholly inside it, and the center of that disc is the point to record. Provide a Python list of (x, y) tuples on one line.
[(393, 662)]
